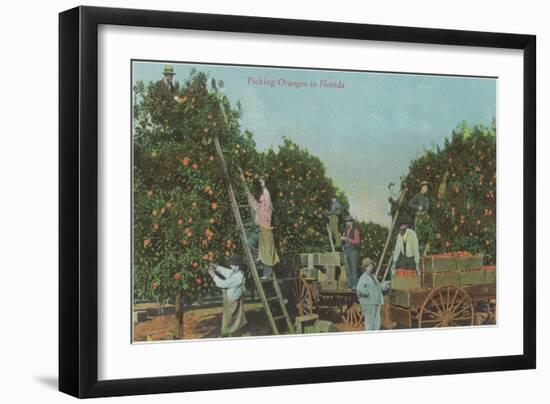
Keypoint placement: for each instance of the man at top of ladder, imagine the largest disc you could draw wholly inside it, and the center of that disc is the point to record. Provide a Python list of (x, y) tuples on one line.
[(263, 242), (334, 222)]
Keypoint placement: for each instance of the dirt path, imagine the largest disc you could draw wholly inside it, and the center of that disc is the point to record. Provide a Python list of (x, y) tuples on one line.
[(200, 323)]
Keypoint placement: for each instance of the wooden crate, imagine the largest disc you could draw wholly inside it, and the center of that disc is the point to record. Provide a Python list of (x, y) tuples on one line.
[(342, 284), (468, 263), (438, 264), (309, 273), (472, 277), (330, 259), (401, 316), (326, 274), (328, 285), (436, 279), (408, 298), (310, 260), (405, 282), (305, 323), (400, 298)]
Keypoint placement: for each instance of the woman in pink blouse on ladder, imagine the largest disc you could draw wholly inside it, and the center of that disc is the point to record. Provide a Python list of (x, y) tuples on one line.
[(264, 242)]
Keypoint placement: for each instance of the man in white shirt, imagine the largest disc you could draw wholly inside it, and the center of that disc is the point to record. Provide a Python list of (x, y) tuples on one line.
[(370, 294), (231, 281), (406, 254)]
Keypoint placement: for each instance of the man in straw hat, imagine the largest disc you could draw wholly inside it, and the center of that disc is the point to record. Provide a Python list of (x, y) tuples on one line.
[(351, 239), (370, 293), (406, 254), (169, 74), (165, 89), (231, 281)]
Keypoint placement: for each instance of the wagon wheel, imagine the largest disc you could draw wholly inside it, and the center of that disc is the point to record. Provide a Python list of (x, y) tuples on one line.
[(446, 306), (353, 316), (303, 296)]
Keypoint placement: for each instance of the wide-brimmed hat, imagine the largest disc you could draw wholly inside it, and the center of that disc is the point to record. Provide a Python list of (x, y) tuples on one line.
[(366, 262), (422, 184), (168, 69), (349, 218), (235, 260)]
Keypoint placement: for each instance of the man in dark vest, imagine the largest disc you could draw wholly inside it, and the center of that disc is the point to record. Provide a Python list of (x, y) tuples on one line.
[(419, 203), (168, 79), (351, 239), (333, 222)]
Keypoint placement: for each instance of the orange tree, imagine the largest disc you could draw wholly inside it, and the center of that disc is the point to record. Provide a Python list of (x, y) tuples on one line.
[(462, 177), (373, 239), (182, 219)]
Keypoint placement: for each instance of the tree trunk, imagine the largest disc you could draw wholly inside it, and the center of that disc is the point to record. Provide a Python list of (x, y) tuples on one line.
[(178, 323)]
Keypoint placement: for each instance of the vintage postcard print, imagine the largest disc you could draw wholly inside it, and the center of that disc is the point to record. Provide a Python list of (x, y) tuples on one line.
[(270, 201)]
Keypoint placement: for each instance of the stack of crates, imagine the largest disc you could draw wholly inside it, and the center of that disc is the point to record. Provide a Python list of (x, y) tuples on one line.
[(453, 270), (326, 277), (439, 271)]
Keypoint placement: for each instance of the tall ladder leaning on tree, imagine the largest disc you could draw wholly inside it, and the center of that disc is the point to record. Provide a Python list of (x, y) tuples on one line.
[(388, 239), (244, 239)]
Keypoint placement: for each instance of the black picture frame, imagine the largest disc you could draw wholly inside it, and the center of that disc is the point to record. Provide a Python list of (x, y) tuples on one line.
[(78, 200)]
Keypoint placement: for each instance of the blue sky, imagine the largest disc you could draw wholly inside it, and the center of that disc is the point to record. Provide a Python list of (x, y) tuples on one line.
[(365, 133)]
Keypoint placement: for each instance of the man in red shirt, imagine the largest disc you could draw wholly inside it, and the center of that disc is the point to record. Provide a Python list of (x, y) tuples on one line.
[(351, 239)]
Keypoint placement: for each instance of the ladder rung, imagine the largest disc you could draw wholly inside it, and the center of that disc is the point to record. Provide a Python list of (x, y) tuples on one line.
[(272, 299), (279, 317), (266, 280)]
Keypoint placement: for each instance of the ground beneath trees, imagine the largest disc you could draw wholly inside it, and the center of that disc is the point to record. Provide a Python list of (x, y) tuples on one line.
[(201, 323)]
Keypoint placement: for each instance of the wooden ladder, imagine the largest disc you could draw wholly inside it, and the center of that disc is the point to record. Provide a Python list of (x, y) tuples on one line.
[(244, 239)]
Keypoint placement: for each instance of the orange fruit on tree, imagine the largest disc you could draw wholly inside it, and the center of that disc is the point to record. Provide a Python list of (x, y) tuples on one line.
[(195, 166), (154, 212), (180, 221), (146, 242), (185, 161), (154, 154), (195, 264), (150, 193), (214, 205), (177, 276)]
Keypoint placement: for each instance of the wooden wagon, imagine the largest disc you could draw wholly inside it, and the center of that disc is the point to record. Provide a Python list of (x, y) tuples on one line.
[(451, 292), (320, 286)]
